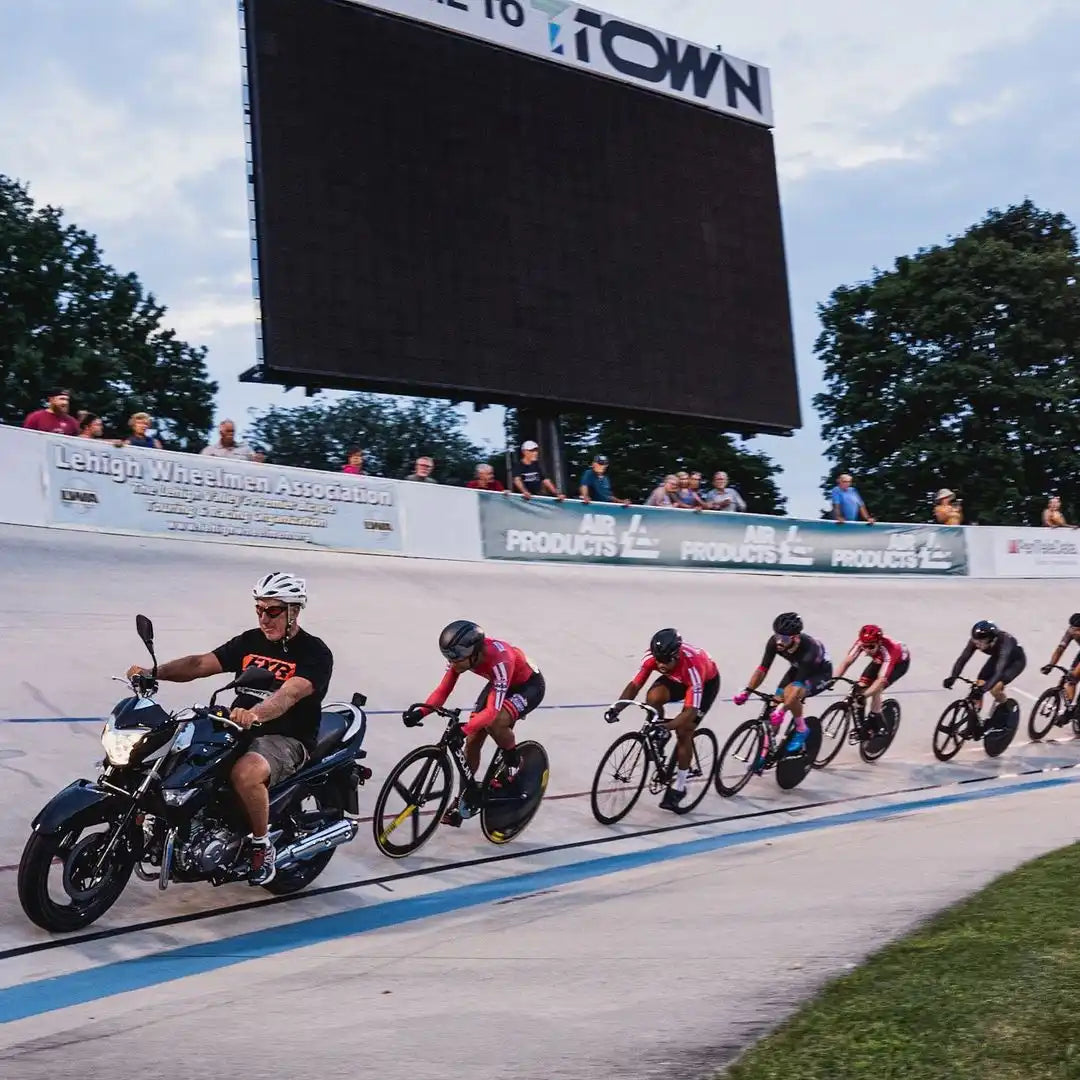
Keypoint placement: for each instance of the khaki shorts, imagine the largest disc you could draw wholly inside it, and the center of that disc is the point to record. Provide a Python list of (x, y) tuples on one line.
[(283, 754)]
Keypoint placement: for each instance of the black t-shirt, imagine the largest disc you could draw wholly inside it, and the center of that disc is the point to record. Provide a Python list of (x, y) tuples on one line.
[(532, 477), (305, 656)]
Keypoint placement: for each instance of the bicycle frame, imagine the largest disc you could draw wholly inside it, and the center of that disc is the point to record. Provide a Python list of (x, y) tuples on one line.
[(772, 738), (654, 718)]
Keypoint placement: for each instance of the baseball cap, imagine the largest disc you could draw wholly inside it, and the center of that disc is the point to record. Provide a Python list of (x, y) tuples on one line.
[(528, 444), (601, 459)]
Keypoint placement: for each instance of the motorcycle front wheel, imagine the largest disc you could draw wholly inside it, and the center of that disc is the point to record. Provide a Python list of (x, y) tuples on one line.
[(61, 886)]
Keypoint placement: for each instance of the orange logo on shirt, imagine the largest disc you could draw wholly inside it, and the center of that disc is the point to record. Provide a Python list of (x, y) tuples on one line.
[(281, 669)]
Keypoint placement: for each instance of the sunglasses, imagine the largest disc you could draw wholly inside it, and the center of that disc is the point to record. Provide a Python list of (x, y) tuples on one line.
[(786, 639), (269, 612)]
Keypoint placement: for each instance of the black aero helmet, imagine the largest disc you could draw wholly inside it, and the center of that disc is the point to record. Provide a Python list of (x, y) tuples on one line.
[(665, 645), (1074, 621), (461, 640), (788, 624), (984, 629)]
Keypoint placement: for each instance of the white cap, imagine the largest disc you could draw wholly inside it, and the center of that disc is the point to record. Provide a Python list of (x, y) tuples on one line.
[(944, 493), (528, 444)]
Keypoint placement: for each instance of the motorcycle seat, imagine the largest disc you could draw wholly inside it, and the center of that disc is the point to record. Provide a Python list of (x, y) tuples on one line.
[(332, 728)]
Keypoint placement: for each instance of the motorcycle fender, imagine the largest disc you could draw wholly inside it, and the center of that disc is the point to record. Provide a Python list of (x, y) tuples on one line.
[(77, 800)]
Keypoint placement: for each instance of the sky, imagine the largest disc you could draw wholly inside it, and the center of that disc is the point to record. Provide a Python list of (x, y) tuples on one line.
[(898, 125)]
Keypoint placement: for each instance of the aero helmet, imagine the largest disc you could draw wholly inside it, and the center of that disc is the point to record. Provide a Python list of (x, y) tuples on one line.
[(984, 629), (461, 640), (870, 634)]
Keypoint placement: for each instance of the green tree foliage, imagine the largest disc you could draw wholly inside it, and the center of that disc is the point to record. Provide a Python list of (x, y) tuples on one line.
[(392, 433), (68, 319), (642, 452), (960, 368)]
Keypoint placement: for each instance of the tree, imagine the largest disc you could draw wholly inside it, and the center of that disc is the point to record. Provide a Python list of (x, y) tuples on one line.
[(68, 319), (960, 368), (391, 432), (642, 452)]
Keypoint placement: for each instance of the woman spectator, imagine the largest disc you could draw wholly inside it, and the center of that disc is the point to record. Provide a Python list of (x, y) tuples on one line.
[(355, 463), (139, 423), (666, 493), (1052, 516), (947, 508)]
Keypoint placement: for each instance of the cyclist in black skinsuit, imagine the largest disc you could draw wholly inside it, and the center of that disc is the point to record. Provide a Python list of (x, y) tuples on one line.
[(809, 673), (1072, 637), (1005, 662)]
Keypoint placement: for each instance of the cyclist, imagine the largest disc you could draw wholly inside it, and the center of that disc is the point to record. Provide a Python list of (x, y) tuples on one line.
[(809, 674), (686, 672), (889, 660), (514, 688), (1006, 661), (1072, 637)]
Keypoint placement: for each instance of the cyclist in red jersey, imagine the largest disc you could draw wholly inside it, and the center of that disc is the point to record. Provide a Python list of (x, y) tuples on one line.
[(514, 688), (686, 672), (889, 660)]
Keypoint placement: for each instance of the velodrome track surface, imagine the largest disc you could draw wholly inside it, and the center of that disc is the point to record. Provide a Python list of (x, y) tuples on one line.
[(656, 948)]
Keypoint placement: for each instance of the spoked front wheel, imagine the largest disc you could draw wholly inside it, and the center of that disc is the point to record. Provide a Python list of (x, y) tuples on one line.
[(739, 758), (413, 799), (510, 805), (949, 734), (835, 724), (620, 778), (1046, 712)]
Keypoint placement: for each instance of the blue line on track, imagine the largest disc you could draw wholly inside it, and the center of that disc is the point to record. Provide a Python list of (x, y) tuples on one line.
[(79, 987), (397, 712)]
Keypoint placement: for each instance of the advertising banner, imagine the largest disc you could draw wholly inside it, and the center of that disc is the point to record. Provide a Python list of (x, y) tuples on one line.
[(587, 39), (1029, 553), (153, 491), (549, 531)]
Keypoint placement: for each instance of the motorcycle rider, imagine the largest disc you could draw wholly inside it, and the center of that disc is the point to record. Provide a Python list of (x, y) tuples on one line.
[(287, 719)]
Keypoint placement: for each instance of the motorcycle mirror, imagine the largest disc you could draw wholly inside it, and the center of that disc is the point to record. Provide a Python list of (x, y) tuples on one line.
[(145, 629)]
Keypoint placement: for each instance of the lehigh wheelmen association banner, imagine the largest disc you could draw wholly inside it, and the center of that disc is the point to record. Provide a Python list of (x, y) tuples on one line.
[(545, 530)]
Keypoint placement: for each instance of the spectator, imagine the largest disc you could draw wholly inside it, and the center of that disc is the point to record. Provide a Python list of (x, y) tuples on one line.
[(723, 497), (259, 457), (847, 503), (1052, 516), (227, 446), (354, 463), (485, 479), (529, 478), (54, 418), (90, 426), (139, 424), (667, 494), (947, 508), (596, 484), (687, 498), (422, 471)]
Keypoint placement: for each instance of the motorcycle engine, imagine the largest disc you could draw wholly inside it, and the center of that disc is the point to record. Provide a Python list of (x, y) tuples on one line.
[(211, 846)]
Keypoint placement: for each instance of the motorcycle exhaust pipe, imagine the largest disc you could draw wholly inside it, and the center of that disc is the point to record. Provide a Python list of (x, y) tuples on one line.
[(340, 832)]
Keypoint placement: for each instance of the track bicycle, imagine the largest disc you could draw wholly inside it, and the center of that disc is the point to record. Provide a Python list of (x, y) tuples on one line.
[(623, 770), (421, 785), (846, 720), (755, 747), (961, 721), (1053, 709)]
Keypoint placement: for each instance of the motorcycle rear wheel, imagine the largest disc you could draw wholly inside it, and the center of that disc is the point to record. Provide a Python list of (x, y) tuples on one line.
[(302, 874)]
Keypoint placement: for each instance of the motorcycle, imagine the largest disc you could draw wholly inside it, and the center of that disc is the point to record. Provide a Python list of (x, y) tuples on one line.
[(163, 807)]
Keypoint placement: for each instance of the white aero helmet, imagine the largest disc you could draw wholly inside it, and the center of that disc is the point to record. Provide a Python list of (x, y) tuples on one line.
[(288, 588)]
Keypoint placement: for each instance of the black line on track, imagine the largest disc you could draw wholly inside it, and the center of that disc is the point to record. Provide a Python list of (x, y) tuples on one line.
[(381, 880)]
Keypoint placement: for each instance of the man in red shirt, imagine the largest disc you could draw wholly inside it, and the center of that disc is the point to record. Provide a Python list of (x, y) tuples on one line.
[(687, 672), (54, 418), (485, 479), (889, 661), (514, 688)]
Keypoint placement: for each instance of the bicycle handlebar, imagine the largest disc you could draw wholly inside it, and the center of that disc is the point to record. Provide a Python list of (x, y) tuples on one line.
[(437, 710), (654, 713)]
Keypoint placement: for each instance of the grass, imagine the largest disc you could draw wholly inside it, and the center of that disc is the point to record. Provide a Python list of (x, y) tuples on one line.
[(988, 990)]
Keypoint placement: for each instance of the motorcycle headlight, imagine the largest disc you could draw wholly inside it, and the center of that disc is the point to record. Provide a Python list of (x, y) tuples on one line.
[(119, 744)]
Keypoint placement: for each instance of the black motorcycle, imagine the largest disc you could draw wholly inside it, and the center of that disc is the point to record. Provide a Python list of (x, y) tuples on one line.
[(163, 807)]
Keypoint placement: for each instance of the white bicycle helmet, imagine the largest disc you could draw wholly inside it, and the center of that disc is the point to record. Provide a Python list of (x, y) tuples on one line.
[(288, 588)]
